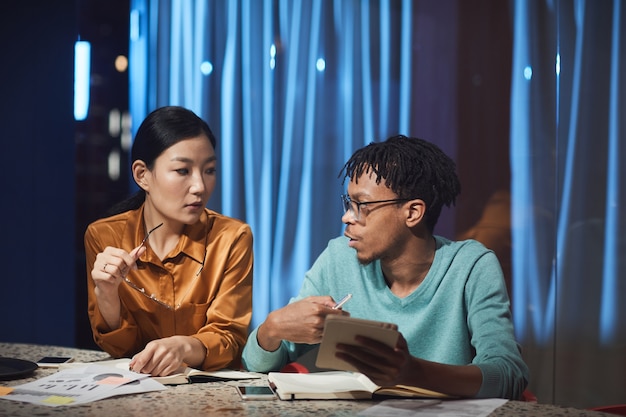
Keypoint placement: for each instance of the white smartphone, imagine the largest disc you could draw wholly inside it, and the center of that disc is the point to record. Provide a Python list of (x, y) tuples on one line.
[(53, 361), (255, 392)]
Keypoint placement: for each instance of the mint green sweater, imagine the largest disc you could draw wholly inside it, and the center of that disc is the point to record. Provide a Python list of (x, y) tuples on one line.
[(459, 315)]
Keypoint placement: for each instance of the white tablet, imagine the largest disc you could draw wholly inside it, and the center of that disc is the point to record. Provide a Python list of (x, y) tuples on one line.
[(343, 329)]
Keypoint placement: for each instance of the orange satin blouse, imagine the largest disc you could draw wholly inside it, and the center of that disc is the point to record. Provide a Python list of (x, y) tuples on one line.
[(206, 281)]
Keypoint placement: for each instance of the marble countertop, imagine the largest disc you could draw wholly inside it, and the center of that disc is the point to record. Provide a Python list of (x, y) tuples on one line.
[(207, 399)]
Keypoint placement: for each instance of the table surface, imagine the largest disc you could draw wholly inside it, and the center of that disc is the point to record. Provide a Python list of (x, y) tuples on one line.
[(207, 399)]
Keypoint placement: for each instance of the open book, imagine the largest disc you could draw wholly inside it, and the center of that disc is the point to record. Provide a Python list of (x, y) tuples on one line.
[(184, 376), (339, 385), (191, 375)]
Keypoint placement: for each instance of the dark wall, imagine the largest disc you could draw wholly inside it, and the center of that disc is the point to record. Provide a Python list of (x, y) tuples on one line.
[(105, 25), (485, 45), (36, 114)]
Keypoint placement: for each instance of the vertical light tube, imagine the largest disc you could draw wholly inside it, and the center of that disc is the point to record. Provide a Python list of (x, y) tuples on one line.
[(82, 69), (610, 274), (405, 67)]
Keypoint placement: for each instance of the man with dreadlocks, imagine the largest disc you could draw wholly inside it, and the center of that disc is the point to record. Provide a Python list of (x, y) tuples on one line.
[(448, 298)]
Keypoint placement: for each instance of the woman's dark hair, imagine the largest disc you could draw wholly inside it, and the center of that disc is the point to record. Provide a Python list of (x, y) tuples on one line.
[(412, 168), (161, 129)]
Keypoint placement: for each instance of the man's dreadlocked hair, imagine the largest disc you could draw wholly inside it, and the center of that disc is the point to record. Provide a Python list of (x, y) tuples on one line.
[(411, 168)]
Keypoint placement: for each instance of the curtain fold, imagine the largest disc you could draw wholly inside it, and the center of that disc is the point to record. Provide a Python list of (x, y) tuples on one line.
[(567, 119)]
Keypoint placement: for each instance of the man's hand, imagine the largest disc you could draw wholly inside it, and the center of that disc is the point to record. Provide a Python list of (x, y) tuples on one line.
[(384, 365), (387, 366), (298, 322)]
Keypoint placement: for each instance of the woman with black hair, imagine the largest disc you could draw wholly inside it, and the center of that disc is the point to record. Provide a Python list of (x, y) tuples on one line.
[(170, 281)]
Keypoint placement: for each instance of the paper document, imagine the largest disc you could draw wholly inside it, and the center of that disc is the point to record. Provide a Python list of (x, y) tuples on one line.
[(81, 385), (445, 408), (184, 375)]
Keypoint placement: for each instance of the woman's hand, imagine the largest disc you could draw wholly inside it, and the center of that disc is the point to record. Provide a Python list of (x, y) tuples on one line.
[(109, 269), (169, 355)]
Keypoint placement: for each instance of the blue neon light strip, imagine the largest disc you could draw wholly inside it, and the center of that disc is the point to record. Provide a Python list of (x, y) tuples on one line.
[(82, 69)]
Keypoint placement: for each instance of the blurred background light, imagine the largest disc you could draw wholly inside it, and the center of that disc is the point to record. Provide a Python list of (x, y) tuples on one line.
[(321, 64), (114, 164), (528, 73), (121, 63), (206, 68)]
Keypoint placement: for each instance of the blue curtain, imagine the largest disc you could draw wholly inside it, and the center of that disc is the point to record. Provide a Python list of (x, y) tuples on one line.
[(291, 88), (568, 125)]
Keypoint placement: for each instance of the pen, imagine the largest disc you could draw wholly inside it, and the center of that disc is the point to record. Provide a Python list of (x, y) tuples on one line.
[(342, 301)]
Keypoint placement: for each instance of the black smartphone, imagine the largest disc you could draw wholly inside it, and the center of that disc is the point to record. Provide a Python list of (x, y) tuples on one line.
[(53, 361), (256, 392)]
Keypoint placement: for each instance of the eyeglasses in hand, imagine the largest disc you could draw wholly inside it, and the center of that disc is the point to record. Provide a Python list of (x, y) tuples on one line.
[(152, 296), (142, 290), (149, 233)]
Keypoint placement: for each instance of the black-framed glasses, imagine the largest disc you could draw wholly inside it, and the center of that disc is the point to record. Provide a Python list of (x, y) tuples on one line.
[(354, 207)]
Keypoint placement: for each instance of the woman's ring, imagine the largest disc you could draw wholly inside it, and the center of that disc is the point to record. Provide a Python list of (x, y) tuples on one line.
[(104, 268)]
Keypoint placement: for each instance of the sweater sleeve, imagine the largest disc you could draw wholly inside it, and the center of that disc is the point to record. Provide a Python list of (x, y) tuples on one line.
[(498, 355), (257, 359)]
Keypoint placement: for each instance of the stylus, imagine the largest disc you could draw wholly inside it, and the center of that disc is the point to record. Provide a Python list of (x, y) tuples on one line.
[(342, 301)]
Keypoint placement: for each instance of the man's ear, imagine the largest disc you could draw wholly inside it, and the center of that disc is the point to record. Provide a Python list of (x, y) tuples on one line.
[(417, 211), (140, 173)]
